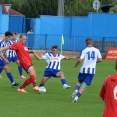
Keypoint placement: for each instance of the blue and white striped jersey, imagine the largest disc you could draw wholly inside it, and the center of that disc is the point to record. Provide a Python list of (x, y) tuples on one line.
[(14, 41), (10, 53), (53, 61), (90, 56), (2, 44)]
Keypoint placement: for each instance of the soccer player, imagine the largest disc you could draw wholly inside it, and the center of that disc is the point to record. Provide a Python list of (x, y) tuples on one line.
[(3, 65), (108, 94), (11, 54), (25, 62), (91, 56), (53, 59)]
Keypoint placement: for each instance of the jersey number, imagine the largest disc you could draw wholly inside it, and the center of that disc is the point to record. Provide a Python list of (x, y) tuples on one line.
[(115, 92), (91, 55)]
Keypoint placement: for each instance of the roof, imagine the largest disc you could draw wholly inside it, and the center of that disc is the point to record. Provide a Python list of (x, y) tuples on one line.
[(6, 9)]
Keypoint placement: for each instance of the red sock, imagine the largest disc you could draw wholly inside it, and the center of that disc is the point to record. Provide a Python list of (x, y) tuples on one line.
[(33, 80), (26, 83)]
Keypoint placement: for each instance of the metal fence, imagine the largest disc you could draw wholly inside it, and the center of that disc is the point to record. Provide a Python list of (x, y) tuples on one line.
[(72, 43)]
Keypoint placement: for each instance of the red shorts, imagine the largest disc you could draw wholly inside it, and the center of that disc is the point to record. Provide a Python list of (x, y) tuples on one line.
[(25, 66)]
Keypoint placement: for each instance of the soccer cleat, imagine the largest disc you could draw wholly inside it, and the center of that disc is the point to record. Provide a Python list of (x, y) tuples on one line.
[(22, 76), (75, 99), (15, 84), (74, 94), (1, 77), (21, 90), (65, 86), (36, 88)]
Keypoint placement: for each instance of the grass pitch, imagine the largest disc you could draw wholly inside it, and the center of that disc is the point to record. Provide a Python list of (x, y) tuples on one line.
[(56, 102)]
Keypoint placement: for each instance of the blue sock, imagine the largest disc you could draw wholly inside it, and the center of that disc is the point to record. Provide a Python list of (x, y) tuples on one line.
[(63, 81), (79, 94), (20, 70), (1, 69), (77, 87), (10, 77)]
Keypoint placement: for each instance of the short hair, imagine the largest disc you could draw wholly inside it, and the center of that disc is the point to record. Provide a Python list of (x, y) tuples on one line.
[(15, 33), (22, 35), (89, 41), (54, 47), (8, 33)]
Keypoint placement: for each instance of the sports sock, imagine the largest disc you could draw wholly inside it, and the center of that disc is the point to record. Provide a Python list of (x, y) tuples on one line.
[(10, 77), (20, 70), (79, 94), (77, 87), (1, 69), (63, 81), (41, 85), (26, 83), (33, 80)]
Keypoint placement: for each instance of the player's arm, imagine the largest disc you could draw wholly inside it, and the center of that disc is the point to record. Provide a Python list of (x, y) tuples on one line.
[(4, 49), (4, 58), (70, 57), (102, 92), (82, 55), (37, 56), (78, 62), (31, 51), (99, 59)]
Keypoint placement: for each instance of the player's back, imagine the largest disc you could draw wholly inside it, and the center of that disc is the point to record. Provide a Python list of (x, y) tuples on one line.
[(90, 55), (110, 97)]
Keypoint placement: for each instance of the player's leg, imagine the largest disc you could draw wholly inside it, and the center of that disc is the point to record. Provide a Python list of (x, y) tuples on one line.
[(77, 87), (5, 67), (43, 81), (1, 69), (63, 80), (15, 59), (32, 79), (87, 81), (46, 76)]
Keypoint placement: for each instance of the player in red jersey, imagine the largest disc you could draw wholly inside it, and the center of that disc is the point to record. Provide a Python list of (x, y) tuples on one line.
[(109, 95), (25, 62)]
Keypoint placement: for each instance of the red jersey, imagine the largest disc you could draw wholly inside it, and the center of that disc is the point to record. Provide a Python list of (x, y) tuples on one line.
[(109, 94), (22, 52)]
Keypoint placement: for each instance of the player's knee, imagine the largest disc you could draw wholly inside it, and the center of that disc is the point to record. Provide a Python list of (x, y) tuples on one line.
[(83, 85), (61, 74)]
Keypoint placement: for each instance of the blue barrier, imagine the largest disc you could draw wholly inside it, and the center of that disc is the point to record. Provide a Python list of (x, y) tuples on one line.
[(72, 43)]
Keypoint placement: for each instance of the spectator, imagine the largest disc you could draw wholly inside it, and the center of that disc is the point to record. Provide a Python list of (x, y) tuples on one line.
[(30, 31)]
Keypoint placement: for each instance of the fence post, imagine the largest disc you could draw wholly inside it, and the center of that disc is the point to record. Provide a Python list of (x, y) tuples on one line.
[(46, 43), (103, 44)]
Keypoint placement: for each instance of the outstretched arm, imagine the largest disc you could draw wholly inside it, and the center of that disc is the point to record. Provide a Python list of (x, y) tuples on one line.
[(37, 56), (5, 48), (70, 57), (78, 62)]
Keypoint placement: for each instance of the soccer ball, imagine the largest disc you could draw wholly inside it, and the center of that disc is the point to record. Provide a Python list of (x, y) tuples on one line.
[(42, 90)]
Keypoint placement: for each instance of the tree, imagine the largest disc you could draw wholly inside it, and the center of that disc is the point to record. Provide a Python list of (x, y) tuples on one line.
[(78, 7)]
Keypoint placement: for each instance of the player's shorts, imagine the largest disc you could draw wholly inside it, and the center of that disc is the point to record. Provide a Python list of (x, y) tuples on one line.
[(13, 59), (87, 78), (50, 72), (2, 63), (26, 65)]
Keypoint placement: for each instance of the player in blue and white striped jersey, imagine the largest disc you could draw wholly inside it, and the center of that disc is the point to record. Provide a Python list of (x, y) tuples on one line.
[(11, 54), (91, 56), (53, 69), (4, 61)]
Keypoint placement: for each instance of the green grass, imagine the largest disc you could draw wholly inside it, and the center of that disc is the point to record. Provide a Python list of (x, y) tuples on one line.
[(56, 102)]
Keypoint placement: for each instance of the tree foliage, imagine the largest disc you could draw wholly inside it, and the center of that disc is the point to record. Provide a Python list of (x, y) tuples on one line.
[(35, 8)]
